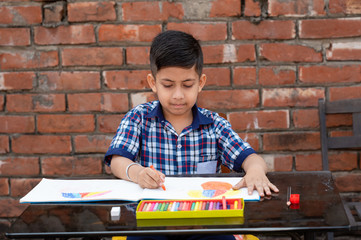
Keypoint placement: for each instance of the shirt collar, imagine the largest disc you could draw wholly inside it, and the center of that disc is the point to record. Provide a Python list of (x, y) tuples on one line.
[(198, 117)]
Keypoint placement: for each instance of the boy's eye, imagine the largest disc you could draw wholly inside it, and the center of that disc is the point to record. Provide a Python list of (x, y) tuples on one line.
[(188, 85), (167, 86)]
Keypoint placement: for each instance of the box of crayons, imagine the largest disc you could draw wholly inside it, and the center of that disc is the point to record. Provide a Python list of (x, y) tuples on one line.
[(201, 208)]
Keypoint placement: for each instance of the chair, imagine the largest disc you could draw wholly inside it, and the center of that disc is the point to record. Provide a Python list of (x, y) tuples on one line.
[(350, 106)]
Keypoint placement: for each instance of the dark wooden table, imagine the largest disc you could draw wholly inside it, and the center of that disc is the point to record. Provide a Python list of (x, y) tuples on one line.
[(320, 210)]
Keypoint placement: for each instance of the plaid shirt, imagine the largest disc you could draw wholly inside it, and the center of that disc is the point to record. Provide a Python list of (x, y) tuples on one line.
[(146, 137)]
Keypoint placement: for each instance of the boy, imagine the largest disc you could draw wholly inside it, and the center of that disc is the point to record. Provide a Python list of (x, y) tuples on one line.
[(173, 134)]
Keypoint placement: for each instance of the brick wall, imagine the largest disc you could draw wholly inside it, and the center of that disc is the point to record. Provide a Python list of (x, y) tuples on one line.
[(69, 70)]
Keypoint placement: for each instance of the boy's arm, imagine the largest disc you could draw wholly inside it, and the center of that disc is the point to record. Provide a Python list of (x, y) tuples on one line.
[(255, 178), (145, 177)]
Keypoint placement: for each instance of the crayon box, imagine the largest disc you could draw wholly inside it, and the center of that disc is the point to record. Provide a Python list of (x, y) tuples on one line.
[(195, 208)]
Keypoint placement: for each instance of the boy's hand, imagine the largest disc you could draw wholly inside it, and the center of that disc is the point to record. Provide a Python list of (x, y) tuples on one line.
[(149, 178), (256, 179)]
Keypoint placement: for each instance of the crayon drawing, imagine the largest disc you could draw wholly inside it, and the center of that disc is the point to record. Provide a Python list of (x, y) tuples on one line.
[(84, 195), (214, 189)]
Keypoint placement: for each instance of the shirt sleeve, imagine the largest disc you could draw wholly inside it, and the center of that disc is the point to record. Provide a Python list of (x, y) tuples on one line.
[(232, 149), (126, 141)]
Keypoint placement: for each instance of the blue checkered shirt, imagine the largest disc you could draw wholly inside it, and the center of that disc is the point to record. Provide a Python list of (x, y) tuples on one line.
[(145, 136)]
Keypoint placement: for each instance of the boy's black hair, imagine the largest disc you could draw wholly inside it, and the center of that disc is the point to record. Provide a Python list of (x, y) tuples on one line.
[(175, 49)]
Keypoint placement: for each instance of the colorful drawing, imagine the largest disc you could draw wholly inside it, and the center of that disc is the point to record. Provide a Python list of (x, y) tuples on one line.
[(214, 189), (84, 194)]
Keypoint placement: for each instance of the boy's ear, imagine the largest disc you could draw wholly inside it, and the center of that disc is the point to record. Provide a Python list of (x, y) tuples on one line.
[(202, 82), (151, 82)]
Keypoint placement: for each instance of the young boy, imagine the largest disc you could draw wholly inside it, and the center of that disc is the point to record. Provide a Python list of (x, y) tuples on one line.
[(173, 134)]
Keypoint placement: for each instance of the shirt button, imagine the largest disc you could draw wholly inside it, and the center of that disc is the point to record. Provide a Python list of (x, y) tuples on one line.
[(179, 146)]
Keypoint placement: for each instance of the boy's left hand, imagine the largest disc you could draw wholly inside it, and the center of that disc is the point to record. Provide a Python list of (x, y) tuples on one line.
[(256, 179)]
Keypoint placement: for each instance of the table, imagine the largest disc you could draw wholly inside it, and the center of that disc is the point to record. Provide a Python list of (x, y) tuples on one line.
[(320, 210)]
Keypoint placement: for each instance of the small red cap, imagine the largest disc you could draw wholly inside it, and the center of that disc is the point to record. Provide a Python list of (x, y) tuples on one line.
[(295, 198)]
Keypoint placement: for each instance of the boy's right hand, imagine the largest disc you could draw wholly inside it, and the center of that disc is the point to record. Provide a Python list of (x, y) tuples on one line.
[(149, 178)]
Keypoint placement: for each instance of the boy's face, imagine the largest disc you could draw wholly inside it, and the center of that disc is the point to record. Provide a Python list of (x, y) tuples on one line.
[(177, 90)]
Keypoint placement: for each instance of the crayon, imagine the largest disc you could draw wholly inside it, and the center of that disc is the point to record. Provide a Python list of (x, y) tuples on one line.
[(169, 207), (211, 205), (196, 206), (180, 207), (141, 207), (151, 207), (166, 205), (145, 207), (204, 204), (185, 206), (207, 206), (193, 206), (162, 185), (236, 204), (224, 203), (218, 205)]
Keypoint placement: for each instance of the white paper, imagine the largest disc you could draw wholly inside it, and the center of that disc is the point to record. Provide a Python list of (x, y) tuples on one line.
[(57, 190)]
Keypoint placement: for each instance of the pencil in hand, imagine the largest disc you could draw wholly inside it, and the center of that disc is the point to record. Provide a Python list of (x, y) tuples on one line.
[(162, 185)]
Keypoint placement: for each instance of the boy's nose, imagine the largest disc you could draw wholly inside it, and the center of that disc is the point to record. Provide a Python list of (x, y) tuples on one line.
[(178, 94)]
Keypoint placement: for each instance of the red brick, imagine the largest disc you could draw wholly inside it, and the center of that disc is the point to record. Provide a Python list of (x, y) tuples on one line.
[(20, 187), (19, 166), (340, 133), (35, 102), (73, 34), (65, 123), (343, 182), (17, 124), (252, 8), (228, 99), (270, 29), (283, 163), (296, 8), (345, 6), (25, 59), (20, 15), (305, 118), (292, 97), (69, 81), (17, 81), (2, 101), (91, 11), (109, 123), (255, 120), (10, 208), (342, 161), (151, 11), (36, 144), (92, 143), (338, 120), (225, 8), (278, 162), (228, 53), (283, 75), (244, 76), (4, 187), (217, 76), (124, 79), (71, 166), (330, 28), (344, 51), (329, 74), (210, 31), (14, 36), (128, 33), (54, 12), (309, 162), (108, 102), (138, 55), (282, 52), (292, 141), (142, 97), (252, 139), (4, 144), (93, 56), (340, 93)]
